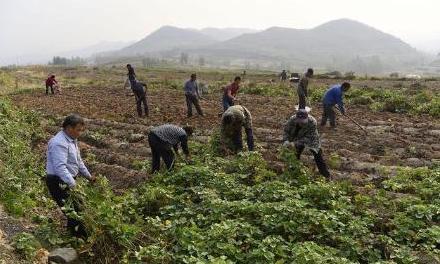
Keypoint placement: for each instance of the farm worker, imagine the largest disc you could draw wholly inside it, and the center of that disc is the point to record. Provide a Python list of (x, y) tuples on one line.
[(192, 95), (332, 97), (163, 139), (303, 88), (230, 93), (140, 93), (131, 74), (51, 83), (283, 76), (64, 163), (233, 119), (301, 129)]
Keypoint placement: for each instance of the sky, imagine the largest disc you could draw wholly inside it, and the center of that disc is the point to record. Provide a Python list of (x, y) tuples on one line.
[(41, 27)]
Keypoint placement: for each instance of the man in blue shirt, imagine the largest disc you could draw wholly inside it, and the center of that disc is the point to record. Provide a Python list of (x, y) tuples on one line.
[(192, 95), (334, 96), (64, 163)]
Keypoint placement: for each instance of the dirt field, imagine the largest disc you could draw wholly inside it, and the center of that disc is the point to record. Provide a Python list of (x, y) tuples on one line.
[(116, 140)]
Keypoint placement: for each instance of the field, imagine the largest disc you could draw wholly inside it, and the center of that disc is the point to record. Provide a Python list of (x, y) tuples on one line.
[(263, 207)]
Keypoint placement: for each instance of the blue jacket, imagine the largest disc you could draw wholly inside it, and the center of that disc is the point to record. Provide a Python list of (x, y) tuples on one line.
[(333, 96)]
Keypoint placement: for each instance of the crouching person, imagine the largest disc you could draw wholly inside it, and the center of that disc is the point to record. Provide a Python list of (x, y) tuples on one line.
[(64, 163), (233, 119), (163, 139), (301, 129)]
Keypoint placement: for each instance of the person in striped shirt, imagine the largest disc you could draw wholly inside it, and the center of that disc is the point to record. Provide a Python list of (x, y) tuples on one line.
[(163, 139), (233, 119)]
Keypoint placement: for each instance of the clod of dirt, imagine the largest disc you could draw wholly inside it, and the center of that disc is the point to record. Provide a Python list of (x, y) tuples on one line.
[(134, 138)]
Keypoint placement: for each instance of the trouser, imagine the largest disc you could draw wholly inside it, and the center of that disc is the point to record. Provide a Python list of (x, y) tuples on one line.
[(328, 113), (141, 98), (160, 149), (302, 102), (60, 193), (319, 160), (236, 139), (51, 89), (227, 102), (190, 101)]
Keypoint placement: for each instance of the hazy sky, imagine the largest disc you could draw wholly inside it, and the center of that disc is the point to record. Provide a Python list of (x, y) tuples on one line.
[(44, 26)]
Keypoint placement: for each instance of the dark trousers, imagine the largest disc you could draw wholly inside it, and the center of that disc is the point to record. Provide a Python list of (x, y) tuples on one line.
[(60, 193), (141, 98), (320, 163), (227, 102), (302, 102), (328, 113), (237, 140), (51, 89), (160, 149), (190, 101)]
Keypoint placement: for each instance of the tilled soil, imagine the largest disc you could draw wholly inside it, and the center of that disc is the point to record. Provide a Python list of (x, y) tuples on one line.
[(116, 137)]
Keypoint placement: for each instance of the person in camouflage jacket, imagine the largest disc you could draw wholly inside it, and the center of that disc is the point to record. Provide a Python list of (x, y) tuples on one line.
[(301, 129)]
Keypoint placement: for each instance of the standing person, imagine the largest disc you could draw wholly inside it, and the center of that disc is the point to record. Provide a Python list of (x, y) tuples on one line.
[(192, 95), (51, 83), (332, 97), (131, 74), (303, 88), (140, 93), (64, 162), (163, 139), (302, 130), (233, 119), (230, 93), (283, 76)]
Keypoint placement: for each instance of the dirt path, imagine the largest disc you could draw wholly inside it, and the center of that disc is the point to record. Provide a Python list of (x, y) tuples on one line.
[(114, 139)]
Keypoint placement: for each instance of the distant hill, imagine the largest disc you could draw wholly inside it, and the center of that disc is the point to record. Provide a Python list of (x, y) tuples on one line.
[(168, 38), (341, 44), (336, 44), (223, 34)]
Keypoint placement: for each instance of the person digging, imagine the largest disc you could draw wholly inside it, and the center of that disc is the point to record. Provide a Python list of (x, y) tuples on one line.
[(333, 96), (233, 119), (301, 129), (140, 92), (163, 139)]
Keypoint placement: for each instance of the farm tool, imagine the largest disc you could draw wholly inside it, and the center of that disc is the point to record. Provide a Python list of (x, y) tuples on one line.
[(352, 120)]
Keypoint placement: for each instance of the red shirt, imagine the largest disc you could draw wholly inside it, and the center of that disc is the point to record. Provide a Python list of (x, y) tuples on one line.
[(51, 81), (232, 89)]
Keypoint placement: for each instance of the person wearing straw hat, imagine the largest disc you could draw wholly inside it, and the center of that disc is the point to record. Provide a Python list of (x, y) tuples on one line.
[(301, 129)]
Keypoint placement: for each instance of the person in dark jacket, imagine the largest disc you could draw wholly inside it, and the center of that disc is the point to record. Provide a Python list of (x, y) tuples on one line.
[(233, 120), (51, 83), (131, 74), (163, 139), (140, 93), (303, 92), (301, 129), (332, 97)]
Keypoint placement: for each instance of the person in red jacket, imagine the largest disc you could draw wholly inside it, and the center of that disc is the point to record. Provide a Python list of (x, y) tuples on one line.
[(230, 93), (51, 82)]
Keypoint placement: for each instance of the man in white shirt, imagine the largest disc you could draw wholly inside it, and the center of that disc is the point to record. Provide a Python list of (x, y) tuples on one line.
[(64, 163)]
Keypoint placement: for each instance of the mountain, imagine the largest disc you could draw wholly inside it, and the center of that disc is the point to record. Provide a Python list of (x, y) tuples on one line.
[(336, 43), (223, 34), (168, 38)]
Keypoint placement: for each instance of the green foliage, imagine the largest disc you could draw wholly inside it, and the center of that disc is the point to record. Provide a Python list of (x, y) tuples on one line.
[(21, 188), (26, 244), (229, 209), (396, 101)]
